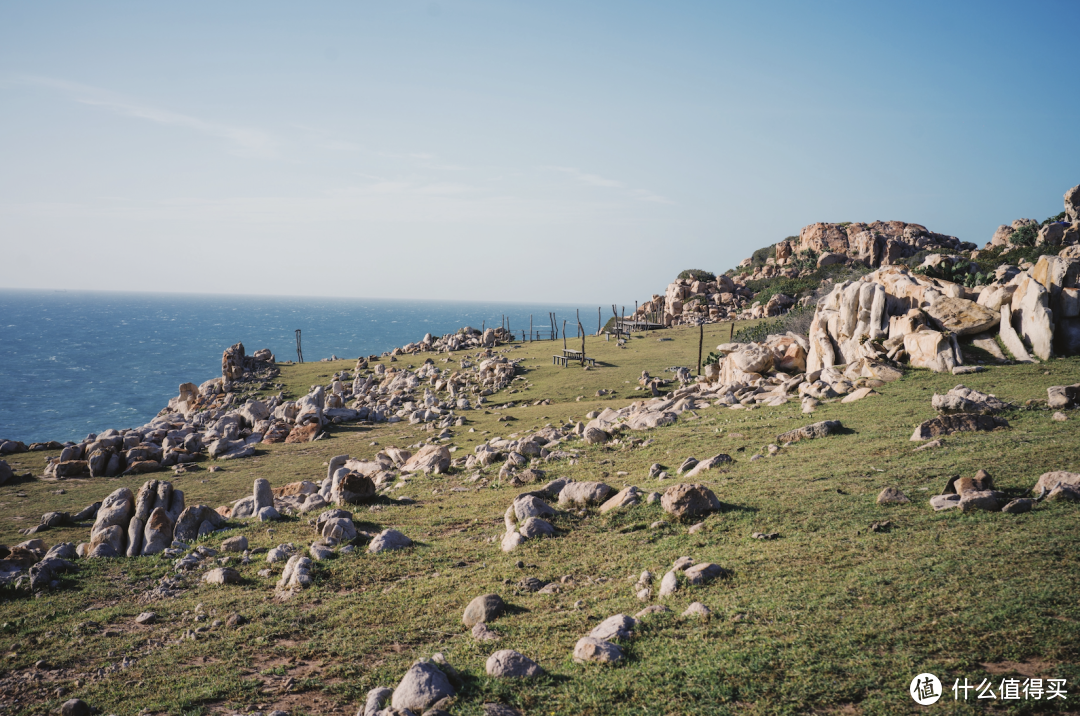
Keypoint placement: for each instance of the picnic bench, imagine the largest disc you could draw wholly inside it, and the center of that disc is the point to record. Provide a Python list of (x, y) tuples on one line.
[(570, 354)]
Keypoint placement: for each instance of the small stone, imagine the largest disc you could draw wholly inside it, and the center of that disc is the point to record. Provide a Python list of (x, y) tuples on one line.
[(423, 685), (694, 529), (480, 632), (235, 620), (239, 543), (984, 500), (388, 540), (652, 609), (892, 496), (222, 575), (669, 584), (75, 707), (618, 626), (146, 618), (1060, 416), (944, 502), (697, 609), (1018, 506), (509, 663), (590, 649), (483, 609)]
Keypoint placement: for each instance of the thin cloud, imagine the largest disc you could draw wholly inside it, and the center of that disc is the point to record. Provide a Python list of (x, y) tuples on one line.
[(586, 178), (248, 140), (596, 180)]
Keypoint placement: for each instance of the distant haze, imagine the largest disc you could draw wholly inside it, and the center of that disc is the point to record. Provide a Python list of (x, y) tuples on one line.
[(514, 151)]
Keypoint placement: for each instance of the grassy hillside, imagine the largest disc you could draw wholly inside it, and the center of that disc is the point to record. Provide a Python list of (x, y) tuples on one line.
[(830, 617)]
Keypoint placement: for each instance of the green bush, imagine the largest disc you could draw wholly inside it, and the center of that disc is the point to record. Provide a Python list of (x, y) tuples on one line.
[(759, 257), (697, 275), (1025, 235), (797, 320)]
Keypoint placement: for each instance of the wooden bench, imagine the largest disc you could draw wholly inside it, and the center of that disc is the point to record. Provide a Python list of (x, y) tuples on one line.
[(560, 360)]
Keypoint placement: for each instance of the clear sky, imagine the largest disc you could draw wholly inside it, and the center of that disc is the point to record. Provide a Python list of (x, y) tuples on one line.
[(545, 150)]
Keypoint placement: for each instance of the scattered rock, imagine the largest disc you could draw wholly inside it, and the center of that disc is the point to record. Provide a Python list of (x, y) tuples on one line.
[(961, 422), (1018, 506), (509, 663), (618, 626), (974, 500), (75, 707), (697, 609), (483, 609), (590, 649), (689, 500), (966, 400), (944, 502), (222, 575), (239, 543), (481, 632), (584, 493), (146, 618), (704, 572), (892, 496), (388, 540), (423, 685), (809, 432)]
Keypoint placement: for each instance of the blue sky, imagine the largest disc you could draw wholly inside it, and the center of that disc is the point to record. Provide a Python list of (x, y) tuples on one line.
[(581, 152)]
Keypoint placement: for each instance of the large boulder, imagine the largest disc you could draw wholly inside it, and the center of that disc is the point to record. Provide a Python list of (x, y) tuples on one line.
[(584, 493), (689, 500), (352, 488), (422, 686), (961, 316), (430, 459), (115, 510), (507, 663), (190, 524), (388, 540), (483, 609), (966, 400), (930, 349), (232, 363), (1049, 480), (591, 649)]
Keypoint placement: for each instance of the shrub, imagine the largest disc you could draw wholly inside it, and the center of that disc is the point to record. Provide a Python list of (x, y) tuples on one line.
[(697, 275), (797, 320), (759, 257), (1024, 236)]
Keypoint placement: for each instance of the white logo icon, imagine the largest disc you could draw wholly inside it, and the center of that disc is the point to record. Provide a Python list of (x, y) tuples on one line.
[(925, 689)]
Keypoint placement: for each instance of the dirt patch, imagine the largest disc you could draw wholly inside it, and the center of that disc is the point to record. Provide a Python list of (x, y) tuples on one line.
[(1030, 668)]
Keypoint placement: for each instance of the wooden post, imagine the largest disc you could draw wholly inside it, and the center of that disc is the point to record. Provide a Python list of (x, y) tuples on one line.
[(599, 321), (530, 329), (299, 353), (564, 334), (731, 336), (581, 330), (700, 343)]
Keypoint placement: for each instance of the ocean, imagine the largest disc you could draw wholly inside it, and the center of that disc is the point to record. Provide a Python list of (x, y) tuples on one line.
[(79, 362)]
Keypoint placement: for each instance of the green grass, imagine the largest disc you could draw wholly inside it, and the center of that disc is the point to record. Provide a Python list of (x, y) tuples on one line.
[(830, 617)]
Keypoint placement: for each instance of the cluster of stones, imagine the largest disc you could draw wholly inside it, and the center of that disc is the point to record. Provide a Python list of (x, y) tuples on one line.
[(692, 301), (1053, 234), (894, 315), (147, 523), (544, 445), (879, 243)]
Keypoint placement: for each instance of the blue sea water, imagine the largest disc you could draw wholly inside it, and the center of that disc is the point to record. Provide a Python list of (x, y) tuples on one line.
[(74, 362)]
